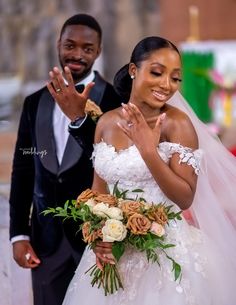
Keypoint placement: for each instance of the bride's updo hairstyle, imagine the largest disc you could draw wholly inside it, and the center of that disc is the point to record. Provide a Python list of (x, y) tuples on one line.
[(122, 80)]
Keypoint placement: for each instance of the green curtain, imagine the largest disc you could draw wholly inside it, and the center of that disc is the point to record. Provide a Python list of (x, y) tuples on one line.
[(197, 86)]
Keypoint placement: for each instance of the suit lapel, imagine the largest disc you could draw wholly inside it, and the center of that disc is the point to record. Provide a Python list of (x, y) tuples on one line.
[(71, 156), (44, 132), (97, 92)]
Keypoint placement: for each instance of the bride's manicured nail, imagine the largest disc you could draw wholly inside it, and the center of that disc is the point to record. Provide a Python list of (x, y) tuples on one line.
[(163, 116)]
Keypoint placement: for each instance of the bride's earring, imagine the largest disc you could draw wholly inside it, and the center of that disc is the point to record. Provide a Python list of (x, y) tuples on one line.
[(132, 76)]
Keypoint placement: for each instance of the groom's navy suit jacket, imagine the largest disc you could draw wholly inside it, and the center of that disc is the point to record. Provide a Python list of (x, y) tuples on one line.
[(37, 177)]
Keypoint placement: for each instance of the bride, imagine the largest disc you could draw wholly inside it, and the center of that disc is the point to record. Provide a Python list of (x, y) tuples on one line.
[(156, 143)]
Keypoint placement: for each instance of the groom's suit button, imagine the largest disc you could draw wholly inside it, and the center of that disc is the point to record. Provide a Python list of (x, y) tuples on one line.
[(60, 180)]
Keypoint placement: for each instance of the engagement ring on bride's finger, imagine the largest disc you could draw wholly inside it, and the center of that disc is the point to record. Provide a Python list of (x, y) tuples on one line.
[(27, 256), (130, 124)]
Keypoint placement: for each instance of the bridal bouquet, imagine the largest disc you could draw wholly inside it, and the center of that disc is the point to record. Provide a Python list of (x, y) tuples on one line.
[(124, 222)]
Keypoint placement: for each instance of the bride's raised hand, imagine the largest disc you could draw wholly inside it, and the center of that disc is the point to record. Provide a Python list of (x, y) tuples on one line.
[(71, 102), (137, 129)]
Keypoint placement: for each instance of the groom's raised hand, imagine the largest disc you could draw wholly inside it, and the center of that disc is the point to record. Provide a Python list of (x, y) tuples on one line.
[(63, 90)]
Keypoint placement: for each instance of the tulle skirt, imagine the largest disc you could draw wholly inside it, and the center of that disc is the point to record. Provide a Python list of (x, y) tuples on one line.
[(207, 276)]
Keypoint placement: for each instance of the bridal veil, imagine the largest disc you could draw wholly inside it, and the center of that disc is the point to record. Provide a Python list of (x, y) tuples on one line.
[(214, 206)]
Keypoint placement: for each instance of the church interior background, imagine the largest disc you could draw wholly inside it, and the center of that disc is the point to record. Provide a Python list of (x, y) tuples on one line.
[(205, 33)]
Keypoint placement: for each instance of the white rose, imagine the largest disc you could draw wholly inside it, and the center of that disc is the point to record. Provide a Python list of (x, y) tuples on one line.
[(115, 213), (100, 209), (113, 230), (90, 203), (157, 229)]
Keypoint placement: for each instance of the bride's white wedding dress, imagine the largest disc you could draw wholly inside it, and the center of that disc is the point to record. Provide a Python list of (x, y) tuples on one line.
[(206, 272)]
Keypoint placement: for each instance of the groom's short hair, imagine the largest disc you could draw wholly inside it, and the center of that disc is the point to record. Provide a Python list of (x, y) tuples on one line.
[(83, 19)]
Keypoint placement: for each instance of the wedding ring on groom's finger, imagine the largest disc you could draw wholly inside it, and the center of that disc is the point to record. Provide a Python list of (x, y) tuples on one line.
[(27, 256), (58, 90), (130, 124)]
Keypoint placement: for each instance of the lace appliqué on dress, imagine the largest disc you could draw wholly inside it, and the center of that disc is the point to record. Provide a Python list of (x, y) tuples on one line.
[(186, 154), (166, 150)]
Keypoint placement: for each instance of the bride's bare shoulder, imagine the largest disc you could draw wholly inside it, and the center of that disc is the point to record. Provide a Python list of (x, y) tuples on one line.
[(179, 128), (109, 118), (107, 123)]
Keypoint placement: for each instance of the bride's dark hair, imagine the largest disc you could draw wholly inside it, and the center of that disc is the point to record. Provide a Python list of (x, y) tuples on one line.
[(122, 81)]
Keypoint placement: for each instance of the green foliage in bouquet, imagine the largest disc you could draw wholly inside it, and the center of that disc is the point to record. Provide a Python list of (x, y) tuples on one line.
[(125, 223)]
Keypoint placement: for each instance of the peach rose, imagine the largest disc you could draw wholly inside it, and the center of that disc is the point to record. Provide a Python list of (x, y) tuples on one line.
[(138, 224), (130, 207), (85, 195), (90, 236), (106, 198), (87, 234), (158, 214)]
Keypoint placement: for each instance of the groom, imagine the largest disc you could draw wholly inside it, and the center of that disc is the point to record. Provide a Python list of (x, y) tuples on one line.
[(50, 167)]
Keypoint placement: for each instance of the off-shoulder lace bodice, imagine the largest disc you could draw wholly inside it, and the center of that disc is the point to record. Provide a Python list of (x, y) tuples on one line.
[(128, 167)]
